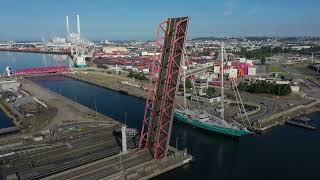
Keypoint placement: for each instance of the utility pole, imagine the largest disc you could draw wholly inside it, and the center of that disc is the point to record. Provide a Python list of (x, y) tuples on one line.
[(222, 85)]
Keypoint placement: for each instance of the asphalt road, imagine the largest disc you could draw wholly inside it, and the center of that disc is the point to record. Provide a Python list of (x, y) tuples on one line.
[(268, 106)]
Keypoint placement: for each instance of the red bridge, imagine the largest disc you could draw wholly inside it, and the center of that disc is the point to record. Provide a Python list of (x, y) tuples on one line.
[(53, 69), (66, 51)]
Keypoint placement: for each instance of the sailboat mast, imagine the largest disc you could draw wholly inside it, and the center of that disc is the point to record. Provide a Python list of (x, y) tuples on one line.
[(222, 85)]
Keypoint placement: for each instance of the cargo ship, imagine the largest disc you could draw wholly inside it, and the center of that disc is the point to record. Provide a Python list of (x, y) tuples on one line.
[(207, 121)]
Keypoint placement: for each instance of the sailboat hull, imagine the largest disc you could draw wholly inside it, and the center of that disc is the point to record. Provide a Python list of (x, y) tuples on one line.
[(211, 127)]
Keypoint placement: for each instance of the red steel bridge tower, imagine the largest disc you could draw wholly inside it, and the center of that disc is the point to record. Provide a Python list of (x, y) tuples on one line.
[(164, 80)]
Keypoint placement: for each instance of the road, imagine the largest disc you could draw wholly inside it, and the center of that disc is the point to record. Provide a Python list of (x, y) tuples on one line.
[(197, 71), (267, 105)]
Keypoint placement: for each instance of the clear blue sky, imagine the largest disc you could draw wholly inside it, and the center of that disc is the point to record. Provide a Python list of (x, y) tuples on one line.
[(138, 19)]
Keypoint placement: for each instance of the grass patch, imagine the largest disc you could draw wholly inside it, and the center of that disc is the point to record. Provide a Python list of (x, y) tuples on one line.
[(40, 120), (275, 68), (290, 97)]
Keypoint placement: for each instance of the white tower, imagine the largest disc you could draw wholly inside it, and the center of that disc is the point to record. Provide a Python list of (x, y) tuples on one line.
[(68, 27), (67, 24), (8, 70), (124, 139), (78, 23)]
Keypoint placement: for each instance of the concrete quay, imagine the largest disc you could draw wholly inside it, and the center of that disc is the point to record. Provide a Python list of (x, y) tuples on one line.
[(108, 81), (67, 110), (283, 116)]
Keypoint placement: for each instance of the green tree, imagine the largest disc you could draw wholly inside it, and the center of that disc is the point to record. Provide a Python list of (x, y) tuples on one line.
[(263, 60), (131, 74), (266, 87), (102, 66), (211, 90), (188, 84), (138, 76)]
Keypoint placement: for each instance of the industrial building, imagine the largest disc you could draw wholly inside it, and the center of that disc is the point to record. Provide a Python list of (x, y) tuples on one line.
[(9, 86), (113, 49)]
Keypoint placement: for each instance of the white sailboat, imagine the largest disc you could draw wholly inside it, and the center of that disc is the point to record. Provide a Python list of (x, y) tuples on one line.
[(207, 121)]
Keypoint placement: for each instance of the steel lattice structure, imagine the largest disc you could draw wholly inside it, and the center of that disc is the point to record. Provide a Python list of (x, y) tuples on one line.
[(164, 80)]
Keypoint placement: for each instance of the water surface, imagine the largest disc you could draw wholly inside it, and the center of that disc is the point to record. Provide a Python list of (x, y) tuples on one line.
[(5, 121)]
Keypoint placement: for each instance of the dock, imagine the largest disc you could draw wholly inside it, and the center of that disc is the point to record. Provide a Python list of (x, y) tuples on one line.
[(301, 124), (9, 130)]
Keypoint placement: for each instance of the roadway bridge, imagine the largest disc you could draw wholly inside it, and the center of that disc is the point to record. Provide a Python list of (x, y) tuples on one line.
[(53, 69), (197, 71), (37, 50)]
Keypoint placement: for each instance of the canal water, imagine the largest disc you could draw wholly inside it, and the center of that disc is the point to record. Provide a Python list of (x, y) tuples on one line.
[(285, 152), (29, 60), (5, 121)]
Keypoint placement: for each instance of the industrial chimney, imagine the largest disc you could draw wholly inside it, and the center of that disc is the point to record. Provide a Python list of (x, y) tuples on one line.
[(78, 24), (68, 28)]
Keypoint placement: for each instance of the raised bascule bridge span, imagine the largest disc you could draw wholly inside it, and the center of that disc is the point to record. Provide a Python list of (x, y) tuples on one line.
[(164, 81)]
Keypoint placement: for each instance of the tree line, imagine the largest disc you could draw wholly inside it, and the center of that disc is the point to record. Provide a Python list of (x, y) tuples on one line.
[(268, 51), (137, 75), (266, 87)]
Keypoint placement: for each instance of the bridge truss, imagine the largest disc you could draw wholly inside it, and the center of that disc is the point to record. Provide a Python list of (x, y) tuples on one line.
[(164, 80)]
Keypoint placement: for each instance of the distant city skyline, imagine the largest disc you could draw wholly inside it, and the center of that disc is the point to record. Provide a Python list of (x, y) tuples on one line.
[(138, 20)]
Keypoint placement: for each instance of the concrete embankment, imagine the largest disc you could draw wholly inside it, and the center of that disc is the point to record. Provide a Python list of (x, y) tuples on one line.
[(67, 110), (281, 117), (109, 82)]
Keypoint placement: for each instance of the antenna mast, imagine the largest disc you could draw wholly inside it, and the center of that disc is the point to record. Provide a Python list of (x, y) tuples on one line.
[(222, 85), (184, 82)]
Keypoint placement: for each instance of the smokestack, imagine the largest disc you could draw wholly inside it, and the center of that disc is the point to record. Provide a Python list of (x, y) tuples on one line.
[(67, 23), (78, 23)]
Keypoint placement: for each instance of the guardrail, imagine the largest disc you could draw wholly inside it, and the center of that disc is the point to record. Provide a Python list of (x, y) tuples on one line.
[(280, 114)]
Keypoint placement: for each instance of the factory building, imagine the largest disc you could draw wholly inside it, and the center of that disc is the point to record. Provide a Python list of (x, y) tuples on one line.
[(112, 49), (9, 86)]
